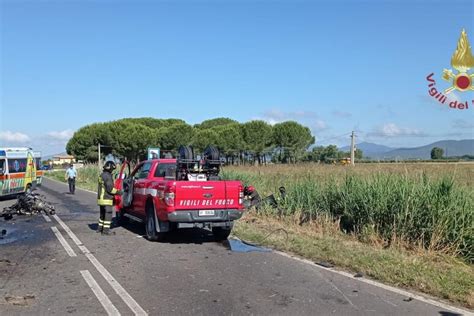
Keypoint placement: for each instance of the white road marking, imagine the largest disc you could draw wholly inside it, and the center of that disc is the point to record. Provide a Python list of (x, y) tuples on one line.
[(383, 286), (63, 242), (101, 296), (137, 310), (381, 298), (340, 292), (46, 218)]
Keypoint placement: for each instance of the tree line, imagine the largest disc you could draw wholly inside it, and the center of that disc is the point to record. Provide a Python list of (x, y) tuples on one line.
[(255, 141), (330, 154)]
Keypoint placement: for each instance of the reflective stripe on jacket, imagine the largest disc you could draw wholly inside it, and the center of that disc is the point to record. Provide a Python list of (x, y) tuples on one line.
[(106, 190)]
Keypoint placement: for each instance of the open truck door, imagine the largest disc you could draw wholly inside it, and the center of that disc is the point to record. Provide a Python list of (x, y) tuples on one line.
[(124, 182)]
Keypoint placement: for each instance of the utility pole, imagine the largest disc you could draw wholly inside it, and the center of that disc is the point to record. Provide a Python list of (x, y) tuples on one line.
[(352, 148), (99, 161)]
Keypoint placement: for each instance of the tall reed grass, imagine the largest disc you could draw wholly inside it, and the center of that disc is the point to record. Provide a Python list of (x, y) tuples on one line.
[(431, 209), (86, 176)]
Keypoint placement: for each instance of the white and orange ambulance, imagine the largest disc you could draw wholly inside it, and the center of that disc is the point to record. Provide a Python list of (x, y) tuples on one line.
[(19, 170)]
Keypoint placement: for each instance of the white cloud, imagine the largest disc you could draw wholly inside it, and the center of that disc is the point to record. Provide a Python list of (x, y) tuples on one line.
[(392, 130), (319, 125), (280, 116), (462, 124), (14, 137), (433, 102), (342, 114), (273, 115), (306, 118), (271, 121), (61, 135), (49, 143), (387, 110)]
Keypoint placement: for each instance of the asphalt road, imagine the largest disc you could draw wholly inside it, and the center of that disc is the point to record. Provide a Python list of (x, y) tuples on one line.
[(190, 274)]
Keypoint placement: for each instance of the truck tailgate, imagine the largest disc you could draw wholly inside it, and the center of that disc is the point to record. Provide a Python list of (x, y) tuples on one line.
[(207, 195)]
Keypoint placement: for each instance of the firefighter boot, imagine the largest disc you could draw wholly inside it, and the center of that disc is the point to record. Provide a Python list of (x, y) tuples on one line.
[(100, 226), (107, 232)]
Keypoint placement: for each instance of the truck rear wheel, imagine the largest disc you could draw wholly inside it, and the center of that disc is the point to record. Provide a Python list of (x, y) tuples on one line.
[(221, 233), (150, 226)]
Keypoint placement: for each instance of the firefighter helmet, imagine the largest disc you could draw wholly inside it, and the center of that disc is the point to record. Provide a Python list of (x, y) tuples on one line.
[(109, 165)]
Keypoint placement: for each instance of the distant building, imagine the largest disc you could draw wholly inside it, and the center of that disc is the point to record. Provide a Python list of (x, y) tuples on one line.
[(63, 159)]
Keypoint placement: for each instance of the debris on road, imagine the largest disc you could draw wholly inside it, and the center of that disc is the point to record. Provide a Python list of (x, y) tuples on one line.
[(28, 204), (325, 264), (252, 198), (20, 300)]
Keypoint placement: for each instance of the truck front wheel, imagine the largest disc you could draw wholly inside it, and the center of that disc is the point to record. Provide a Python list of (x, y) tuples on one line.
[(221, 233), (150, 225)]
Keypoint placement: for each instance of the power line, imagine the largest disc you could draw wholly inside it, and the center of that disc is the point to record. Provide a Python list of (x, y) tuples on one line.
[(334, 137)]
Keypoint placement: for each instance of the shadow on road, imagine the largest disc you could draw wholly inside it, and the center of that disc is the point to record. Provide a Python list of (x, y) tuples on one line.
[(93, 226), (444, 313), (177, 236), (8, 197), (190, 236)]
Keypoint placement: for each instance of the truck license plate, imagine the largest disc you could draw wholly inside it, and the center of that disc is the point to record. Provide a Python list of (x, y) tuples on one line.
[(206, 213)]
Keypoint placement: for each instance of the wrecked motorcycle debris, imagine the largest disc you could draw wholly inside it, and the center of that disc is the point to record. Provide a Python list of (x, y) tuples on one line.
[(28, 204), (252, 198)]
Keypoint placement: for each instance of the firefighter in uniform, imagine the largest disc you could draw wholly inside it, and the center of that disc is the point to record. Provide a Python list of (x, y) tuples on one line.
[(105, 197)]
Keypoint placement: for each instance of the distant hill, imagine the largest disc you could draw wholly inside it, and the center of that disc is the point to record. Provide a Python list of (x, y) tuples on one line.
[(370, 149), (451, 148)]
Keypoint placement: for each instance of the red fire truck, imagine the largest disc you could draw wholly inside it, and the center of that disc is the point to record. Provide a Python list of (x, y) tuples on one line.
[(186, 192)]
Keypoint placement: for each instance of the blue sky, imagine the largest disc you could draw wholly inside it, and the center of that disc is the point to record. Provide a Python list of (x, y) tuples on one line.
[(334, 66)]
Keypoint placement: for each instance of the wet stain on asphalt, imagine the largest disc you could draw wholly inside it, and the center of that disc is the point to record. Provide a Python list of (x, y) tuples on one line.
[(26, 229), (12, 236)]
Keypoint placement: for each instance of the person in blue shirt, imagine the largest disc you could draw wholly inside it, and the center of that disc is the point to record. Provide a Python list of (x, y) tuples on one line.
[(70, 176)]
